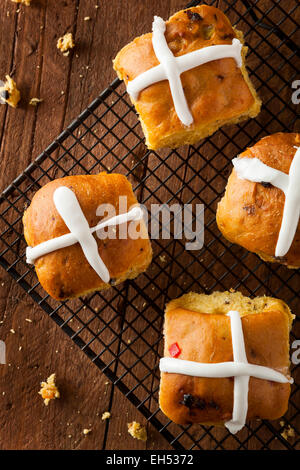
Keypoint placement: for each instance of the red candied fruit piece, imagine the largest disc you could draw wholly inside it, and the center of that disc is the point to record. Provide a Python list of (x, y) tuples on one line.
[(174, 350)]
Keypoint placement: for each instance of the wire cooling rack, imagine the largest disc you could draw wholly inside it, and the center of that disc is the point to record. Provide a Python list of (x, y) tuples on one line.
[(121, 330)]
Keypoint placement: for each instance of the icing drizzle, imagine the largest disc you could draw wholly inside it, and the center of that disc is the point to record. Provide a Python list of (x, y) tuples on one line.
[(171, 67), (253, 169), (239, 368), (68, 207)]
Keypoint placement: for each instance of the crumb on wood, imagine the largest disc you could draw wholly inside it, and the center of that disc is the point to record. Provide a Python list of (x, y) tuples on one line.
[(162, 258), (9, 92), (49, 390), (86, 431), (24, 2), (35, 101), (106, 415), (137, 431), (65, 43), (288, 432)]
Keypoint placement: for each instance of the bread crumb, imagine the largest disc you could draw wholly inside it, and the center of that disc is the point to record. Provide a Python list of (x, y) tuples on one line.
[(65, 43), (106, 415), (137, 431), (12, 331), (9, 93), (35, 101), (25, 2), (162, 258), (49, 391), (288, 432), (86, 431), (87, 18)]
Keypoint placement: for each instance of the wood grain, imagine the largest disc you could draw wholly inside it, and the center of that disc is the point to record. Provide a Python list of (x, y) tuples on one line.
[(38, 348)]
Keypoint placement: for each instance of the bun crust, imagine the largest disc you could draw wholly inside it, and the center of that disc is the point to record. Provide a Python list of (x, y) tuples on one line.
[(217, 93), (66, 273), (197, 322), (250, 214)]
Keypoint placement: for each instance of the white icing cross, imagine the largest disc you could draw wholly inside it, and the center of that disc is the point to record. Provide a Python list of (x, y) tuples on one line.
[(70, 211), (171, 67), (253, 169), (240, 369)]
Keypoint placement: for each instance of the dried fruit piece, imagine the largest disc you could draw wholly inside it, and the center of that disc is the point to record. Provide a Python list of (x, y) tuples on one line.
[(174, 350)]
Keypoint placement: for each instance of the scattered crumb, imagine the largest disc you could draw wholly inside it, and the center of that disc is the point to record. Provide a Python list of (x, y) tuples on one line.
[(86, 431), (28, 320), (12, 331), (106, 415), (25, 2), (35, 101), (65, 43), (9, 93), (162, 258), (137, 431), (87, 18), (49, 391), (287, 432)]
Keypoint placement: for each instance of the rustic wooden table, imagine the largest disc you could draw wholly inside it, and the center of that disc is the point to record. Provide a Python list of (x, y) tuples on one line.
[(28, 37)]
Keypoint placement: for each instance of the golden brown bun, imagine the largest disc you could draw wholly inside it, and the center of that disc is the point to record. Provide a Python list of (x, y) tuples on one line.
[(197, 322), (250, 214), (66, 273), (217, 93)]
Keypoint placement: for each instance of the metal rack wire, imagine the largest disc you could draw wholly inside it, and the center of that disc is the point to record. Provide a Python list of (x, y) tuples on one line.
[(121, 330)]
